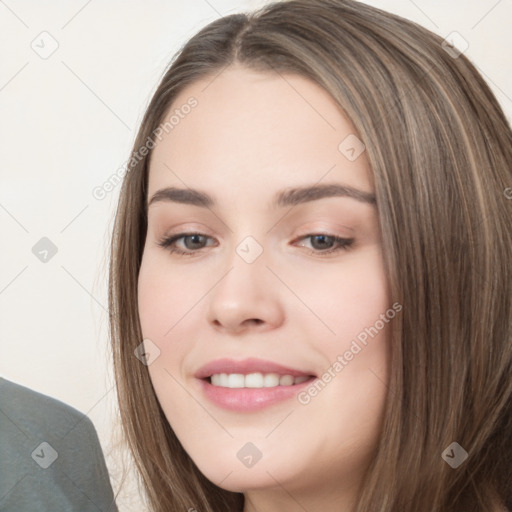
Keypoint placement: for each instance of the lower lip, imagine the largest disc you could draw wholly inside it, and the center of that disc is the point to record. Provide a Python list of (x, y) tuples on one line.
[(250, 399)]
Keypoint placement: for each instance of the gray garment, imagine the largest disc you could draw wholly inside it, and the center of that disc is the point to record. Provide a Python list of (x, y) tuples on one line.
[(50, 456)]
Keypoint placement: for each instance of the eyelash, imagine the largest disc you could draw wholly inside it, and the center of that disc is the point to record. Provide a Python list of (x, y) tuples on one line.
[(343, 244)]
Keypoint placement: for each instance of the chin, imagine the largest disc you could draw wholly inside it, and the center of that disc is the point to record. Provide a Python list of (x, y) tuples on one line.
[(242, 480)]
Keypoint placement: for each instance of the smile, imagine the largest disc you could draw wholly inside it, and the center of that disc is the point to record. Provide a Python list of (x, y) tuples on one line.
[(255, 380)]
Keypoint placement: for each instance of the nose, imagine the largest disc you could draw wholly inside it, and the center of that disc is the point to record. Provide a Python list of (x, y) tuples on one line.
[(248, 296)]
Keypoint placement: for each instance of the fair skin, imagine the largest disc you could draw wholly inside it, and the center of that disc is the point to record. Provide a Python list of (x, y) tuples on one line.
[(251, 135)]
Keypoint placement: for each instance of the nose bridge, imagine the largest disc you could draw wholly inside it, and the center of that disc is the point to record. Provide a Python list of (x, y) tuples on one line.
[(246, 271), (249, 250), (245, 292), (248, 238)]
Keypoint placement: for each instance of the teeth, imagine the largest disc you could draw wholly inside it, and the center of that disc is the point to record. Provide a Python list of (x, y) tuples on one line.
[(286, 380), (255, 380)]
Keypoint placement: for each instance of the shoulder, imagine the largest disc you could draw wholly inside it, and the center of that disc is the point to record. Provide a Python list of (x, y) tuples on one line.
[(50, 455), (34, 412)]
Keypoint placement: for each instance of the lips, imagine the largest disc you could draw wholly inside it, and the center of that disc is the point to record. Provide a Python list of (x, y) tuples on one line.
[(250, 399), (246, 366)]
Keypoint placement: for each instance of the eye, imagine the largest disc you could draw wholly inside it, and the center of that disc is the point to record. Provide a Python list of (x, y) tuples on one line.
[(191, 241), (323, 243)]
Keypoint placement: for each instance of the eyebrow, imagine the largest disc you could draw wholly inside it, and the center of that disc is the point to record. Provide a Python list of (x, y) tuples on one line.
[(283, 198)]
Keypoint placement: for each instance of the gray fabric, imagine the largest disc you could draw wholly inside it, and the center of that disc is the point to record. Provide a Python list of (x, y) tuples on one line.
[(68, 473)]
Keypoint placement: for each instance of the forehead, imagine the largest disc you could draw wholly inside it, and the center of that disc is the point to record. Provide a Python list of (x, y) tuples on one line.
[(250, 133)]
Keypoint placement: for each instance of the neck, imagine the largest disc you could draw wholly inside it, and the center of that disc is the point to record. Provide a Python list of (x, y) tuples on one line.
[(281, 499)]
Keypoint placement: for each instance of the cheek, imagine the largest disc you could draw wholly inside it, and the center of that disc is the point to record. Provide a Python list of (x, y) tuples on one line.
[(164, 299), (346, 297), (365, 297), (170, 304), (164, 296)]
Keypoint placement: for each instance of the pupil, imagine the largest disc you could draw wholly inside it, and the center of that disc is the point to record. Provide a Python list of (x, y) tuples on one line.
[(195, 240), (321, 237)]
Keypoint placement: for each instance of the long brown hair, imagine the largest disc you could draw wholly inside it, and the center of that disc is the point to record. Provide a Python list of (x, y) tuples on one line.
[(440, 150)]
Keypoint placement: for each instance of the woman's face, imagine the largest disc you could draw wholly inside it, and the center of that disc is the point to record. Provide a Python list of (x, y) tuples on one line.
[(266, 279)]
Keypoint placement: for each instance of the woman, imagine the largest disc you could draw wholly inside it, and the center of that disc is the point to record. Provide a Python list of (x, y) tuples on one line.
[(311, 271)]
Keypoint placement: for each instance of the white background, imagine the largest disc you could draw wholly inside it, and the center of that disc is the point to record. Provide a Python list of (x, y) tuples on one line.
[(67, 124)]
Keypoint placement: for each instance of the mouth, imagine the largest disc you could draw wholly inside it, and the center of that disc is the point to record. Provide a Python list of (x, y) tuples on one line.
[(245, 393), (256, 380), (250, 384)]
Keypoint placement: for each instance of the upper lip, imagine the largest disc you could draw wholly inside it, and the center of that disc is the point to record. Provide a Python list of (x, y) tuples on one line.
[(245, 366)]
